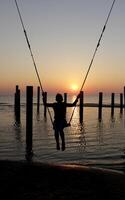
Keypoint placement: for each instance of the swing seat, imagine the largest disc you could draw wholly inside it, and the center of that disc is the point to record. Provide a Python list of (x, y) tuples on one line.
[(61, 124)]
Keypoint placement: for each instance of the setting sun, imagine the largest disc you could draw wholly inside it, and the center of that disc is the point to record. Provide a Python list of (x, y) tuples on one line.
[(74, 87)]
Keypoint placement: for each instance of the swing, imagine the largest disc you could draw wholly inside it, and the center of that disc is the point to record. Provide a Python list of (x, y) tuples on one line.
[(90, 65)]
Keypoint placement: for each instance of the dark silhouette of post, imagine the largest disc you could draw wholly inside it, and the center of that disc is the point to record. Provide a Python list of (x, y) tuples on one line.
[(100, 105), (17, 105), (45, 101), (124, 96), (121, 103), (29, 119), (112, 104), (81, 107), (65, 97), (38, 99)]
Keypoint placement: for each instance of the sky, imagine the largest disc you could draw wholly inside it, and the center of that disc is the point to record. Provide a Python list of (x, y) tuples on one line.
[(63, 35)]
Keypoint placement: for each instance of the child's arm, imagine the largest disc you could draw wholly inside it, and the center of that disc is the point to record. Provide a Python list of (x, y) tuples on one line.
[(74, 103), (49, 104)]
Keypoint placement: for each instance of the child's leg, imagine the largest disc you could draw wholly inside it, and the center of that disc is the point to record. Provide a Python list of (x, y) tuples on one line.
[(57, 139), (63, 139)]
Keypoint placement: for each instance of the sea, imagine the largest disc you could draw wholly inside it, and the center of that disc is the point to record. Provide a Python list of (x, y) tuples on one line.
[(95, 143)]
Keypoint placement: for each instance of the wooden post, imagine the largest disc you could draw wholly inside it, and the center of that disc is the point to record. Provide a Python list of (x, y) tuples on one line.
[(81, 107), (38, 99), (17, 105), (124, 96), (65, 97), (45, 101), (112, 104), (15, 98), (100, 106), (121, 103), (29, 119)]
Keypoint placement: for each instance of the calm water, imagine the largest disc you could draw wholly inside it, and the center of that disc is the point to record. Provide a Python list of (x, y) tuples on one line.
[(100, 144)]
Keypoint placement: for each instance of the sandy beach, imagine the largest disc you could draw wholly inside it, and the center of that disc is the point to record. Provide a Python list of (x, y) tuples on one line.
[(35, 181)]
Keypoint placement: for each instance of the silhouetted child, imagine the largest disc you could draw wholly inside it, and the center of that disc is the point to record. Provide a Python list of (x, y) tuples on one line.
[(60, 122)]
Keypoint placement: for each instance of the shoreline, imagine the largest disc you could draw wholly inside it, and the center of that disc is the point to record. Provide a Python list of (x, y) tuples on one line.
[(24, 180)]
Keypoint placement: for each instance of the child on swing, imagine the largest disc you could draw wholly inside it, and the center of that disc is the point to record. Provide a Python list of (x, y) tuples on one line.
[(60, 122)]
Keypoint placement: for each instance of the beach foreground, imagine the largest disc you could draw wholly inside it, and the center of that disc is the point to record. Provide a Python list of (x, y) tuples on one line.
[(35, 181)]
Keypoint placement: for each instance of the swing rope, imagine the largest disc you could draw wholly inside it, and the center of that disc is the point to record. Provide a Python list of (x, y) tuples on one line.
[(90, 65), (95, 51), (32, 56)]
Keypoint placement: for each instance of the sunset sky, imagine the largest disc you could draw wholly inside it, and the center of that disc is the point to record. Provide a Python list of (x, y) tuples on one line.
[(63, 36)]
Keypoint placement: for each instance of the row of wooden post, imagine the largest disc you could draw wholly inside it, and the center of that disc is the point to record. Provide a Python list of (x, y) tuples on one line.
[(81, 103), (100, 105), (29, 115), (29, 109)]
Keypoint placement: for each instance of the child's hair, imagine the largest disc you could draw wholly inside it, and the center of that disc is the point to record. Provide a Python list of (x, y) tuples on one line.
[(59, 97)]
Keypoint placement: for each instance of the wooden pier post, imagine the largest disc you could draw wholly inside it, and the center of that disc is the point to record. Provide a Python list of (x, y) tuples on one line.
[(121, 103), (29, 119), (100, 106), (124, 97), (65, 97), (38, 99), (112, 104), (81, 106), (45, 101), (17, 105)]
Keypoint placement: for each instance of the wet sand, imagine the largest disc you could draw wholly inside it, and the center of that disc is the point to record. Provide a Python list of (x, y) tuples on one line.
[(36, 181)]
